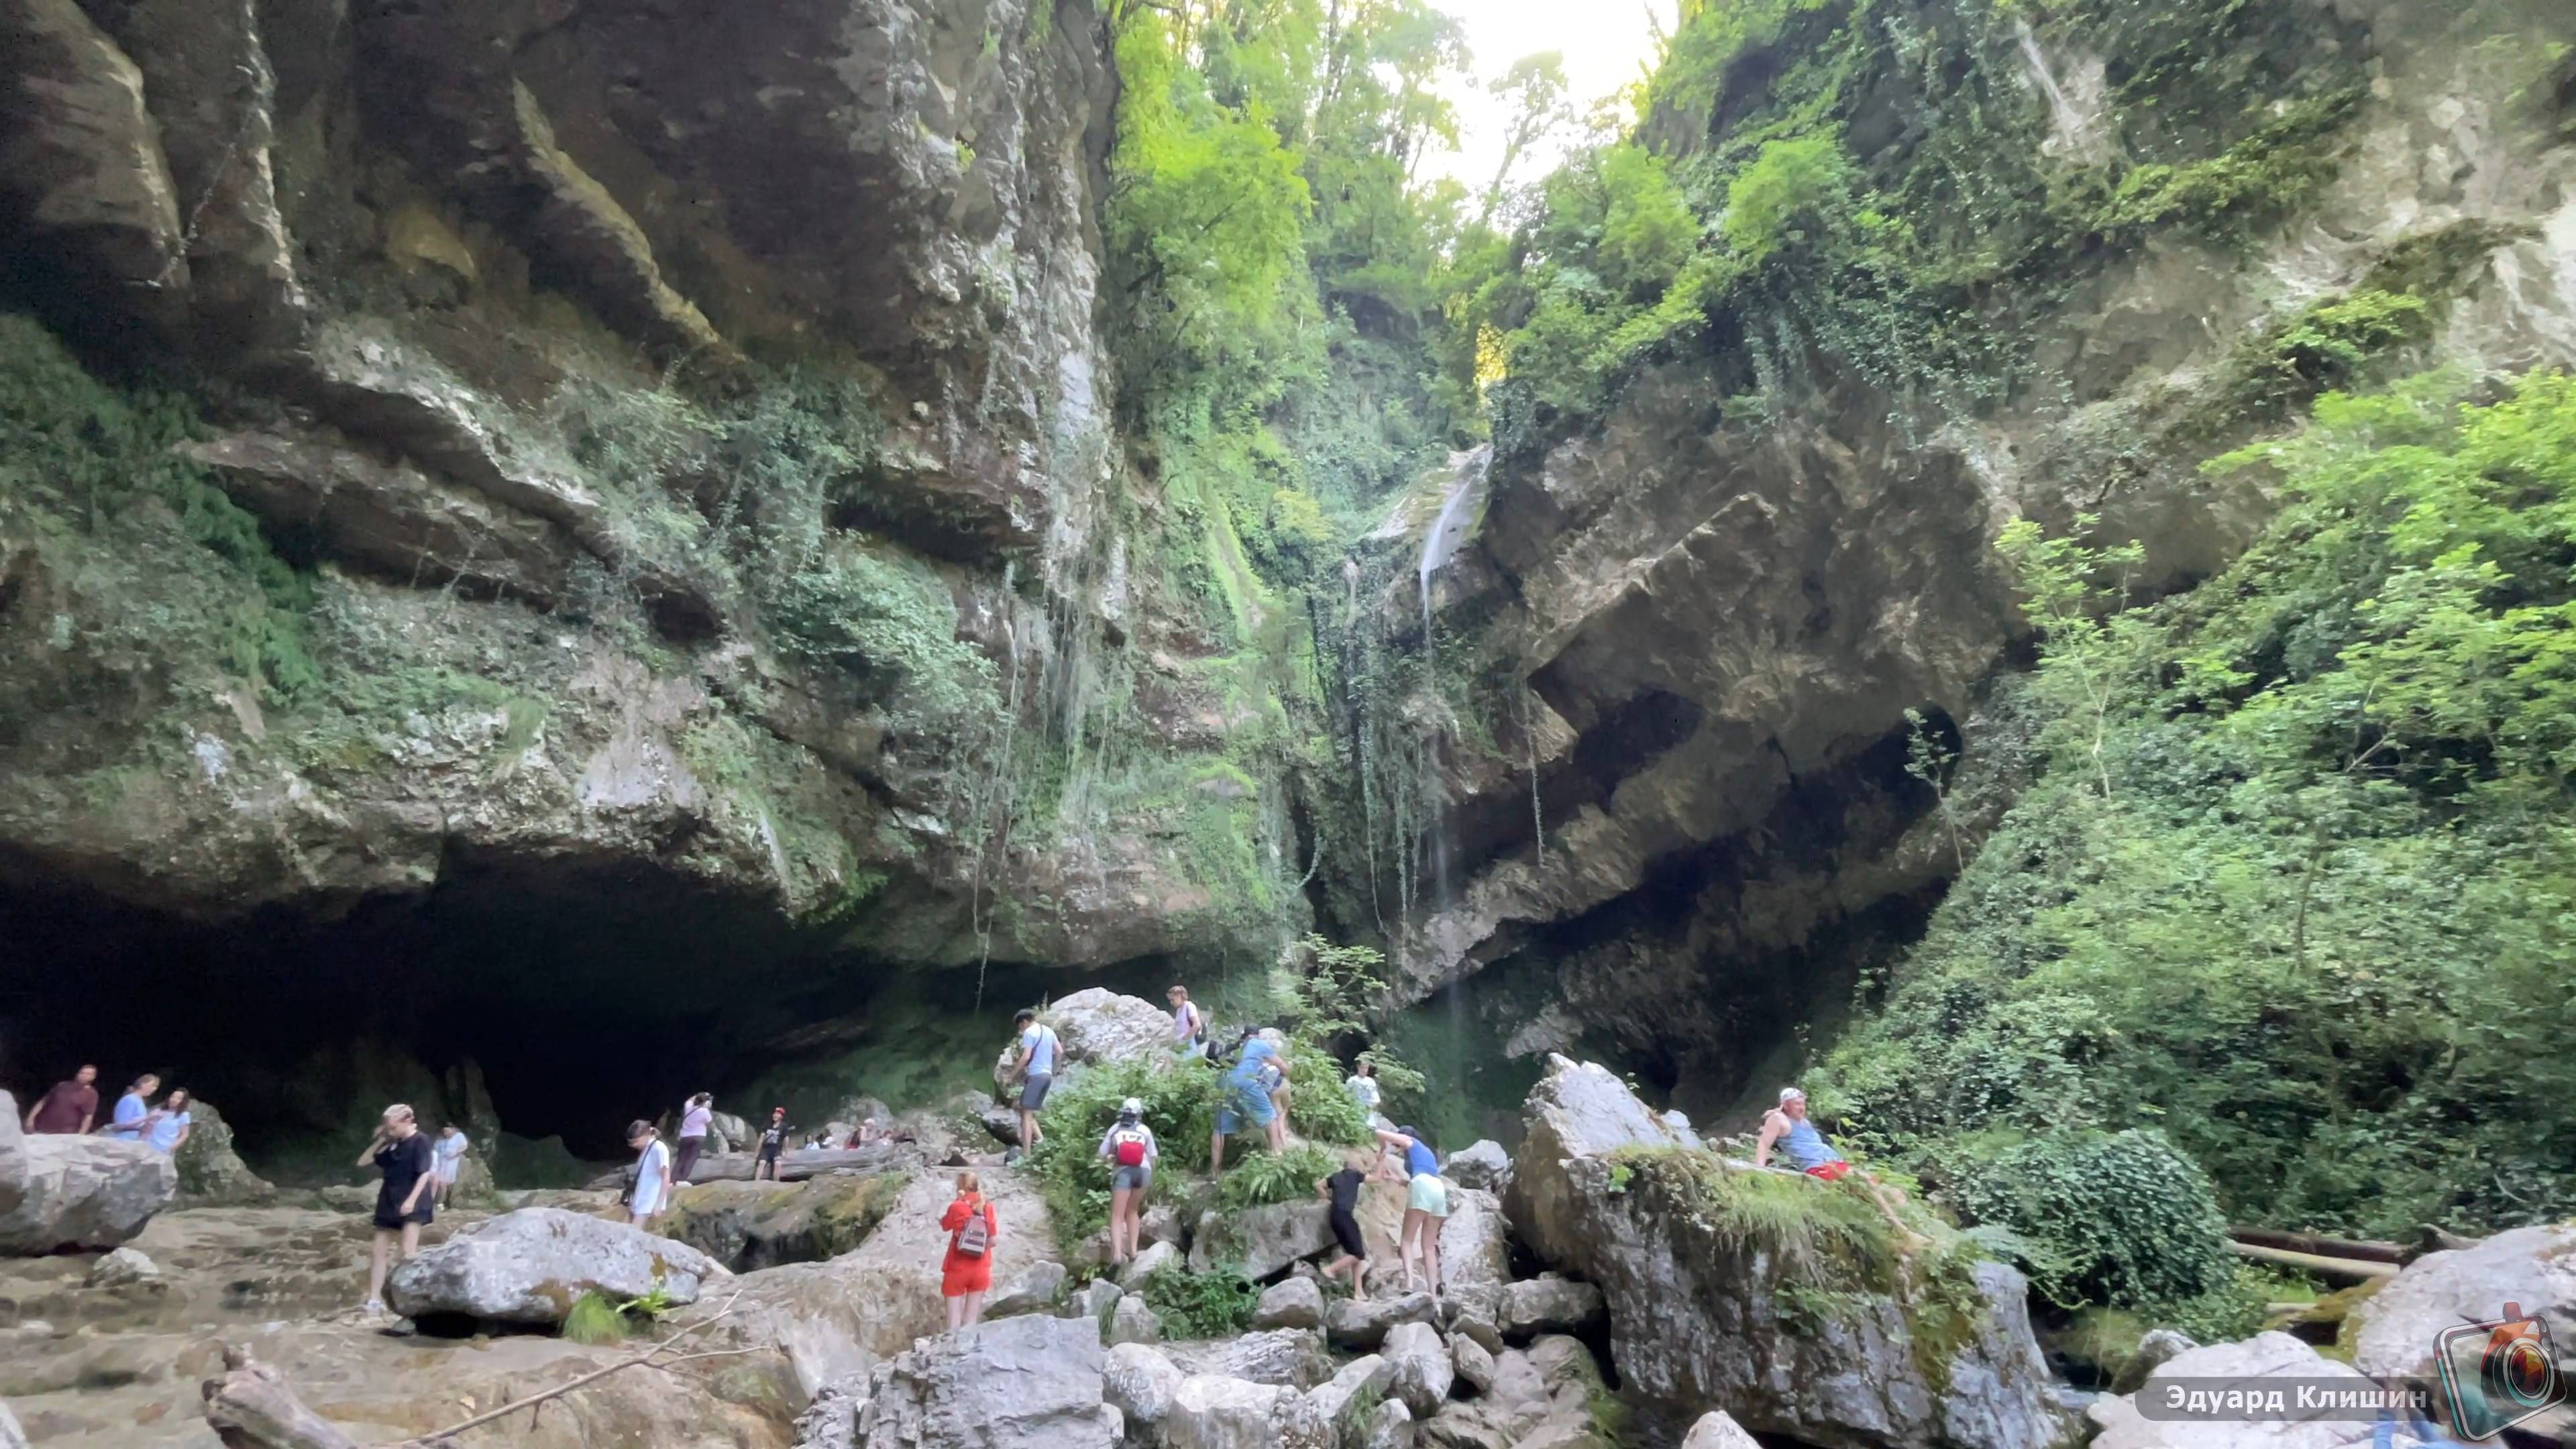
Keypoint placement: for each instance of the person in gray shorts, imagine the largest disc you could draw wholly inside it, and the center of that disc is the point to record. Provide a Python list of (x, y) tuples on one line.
[(1130, 1150), (1038, 1051)]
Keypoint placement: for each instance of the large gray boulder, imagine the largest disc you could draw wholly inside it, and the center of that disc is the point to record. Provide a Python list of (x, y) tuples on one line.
[(1287, 1357), (1098, 1025), (1549, 1304), (1475, 1242), (1363, 1326), (1210, 1411), (1153, 1258), (1703, 1317), (1482, 1165), (2532, 1268), (1132, 1322), (1423, 1373), (1290, 1303), (2274, 1357), (77, 1192), (532, 1265), (1342, 1401), (1022, 1383), (211, 1173), (1140, 1381), (1263, 1242), (1035, 1290)]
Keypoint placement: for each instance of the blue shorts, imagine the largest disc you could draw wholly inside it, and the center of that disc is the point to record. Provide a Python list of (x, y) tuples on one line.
[(1247, 1104)]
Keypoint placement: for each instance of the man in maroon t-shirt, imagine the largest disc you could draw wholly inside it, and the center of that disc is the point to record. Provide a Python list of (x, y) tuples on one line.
[(70, 1107)]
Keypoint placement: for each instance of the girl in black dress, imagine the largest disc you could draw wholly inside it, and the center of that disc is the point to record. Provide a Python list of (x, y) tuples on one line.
[(1342, 1190), (403, 1203)]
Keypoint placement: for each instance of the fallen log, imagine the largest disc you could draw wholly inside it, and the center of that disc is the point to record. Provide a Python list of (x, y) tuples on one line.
[(793, 1167), (252, 1407), (2358, 1249), (2339, 1269)]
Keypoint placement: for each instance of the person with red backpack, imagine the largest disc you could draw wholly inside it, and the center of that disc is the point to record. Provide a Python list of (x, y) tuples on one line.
[(966, 1273), (1131, 1153)]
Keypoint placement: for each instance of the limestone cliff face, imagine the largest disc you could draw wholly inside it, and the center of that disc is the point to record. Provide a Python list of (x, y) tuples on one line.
[(678, 436), (1719, 622)]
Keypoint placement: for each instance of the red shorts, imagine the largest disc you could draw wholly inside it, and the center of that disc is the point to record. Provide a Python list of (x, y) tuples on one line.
[(1831, 1171)]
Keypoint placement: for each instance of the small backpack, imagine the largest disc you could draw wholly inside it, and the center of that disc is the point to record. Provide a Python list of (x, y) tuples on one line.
[(975, 1235), (1128, 1148)]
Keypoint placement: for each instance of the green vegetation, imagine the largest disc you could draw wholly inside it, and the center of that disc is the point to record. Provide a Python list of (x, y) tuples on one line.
[(2104, 1217), (1202, 1305), (2289, 889), (598, 1318)]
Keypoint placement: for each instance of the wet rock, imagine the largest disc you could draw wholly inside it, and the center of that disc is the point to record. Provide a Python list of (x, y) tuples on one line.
[(83, 1192), (1482, 1165), (1034, 1290), (1286, 1357), (124, 1268), (532, 1265), (2265, 1357), (1357, 1325), (1140, 1381), (1423, 1374), (2533, 1268), (1694, 1316), (1153, 1258), (1021, 1383), (1716, 1431), (1550, 1304), (1290, 1303), (1132, 1322), (1262, 1242), (81, 165)]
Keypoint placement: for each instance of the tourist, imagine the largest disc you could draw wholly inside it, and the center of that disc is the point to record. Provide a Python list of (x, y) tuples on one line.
[(126, 1124), (868, 1132), (1342, 1190), (1036, 1071), (1786, 1127), (695, 1114), (169, 1124), (1274, 1074), (402, 1199), (70, 1108), (1426, 1206), (1364, 1090), (1131, 1153), (447, 1161), (1189, 1027), (773, 1140), (652, 1172), (1248, 1101), (966, 1272)]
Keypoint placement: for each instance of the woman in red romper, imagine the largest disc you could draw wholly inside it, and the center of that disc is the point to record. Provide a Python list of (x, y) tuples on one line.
[(964, 1279)]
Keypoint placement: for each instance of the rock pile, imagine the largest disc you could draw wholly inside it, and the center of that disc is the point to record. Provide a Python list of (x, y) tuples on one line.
[(60, 1192)]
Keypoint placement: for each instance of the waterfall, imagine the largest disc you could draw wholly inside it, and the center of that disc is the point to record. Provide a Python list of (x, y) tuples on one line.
[(1448, 530), (2075, 130)]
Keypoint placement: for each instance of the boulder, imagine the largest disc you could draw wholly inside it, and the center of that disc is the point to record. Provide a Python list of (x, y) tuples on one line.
[(1161, 1224), (13, 1156), (1482, 1165), (82, 1192), (1475, 1321), (1262, 1242), (1098, 1026), (1132, 1322), (1577, 1111), (1290, 1303), (532, 1265), (1153, 1258), (1021, 1383), (2267, 1356), (1363, 1326), (1422, 1371), (1213, 1412), (1093, 1301), (123, 1268), (1342, 1401), (1389, 1427), (1034, 1290), (2531, 1268), (2156, 1348), (831, 1421), (1475, 1242), (1549, 1304), (211, 1173), (729, 1133), (1288, 1358), (1473, 1362), (1716, 1431), (1701, 1317), (1140, 1381)]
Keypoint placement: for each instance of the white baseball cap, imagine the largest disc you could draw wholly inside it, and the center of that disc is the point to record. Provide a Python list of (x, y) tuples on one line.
[(1791, 1094), (1132, 1105)]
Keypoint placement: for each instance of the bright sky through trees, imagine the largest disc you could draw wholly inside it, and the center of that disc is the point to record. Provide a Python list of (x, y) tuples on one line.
[(1604, 43)]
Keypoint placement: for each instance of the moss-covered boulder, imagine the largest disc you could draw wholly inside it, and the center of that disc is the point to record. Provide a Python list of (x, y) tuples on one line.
[(748, 1225)]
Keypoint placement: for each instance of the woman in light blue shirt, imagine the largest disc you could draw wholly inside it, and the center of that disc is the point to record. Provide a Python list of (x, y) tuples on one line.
[(170, 1126), (133, 1110)]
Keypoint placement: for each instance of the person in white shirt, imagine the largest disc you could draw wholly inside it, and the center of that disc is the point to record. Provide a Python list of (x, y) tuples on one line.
[(1189, 1025), (652, 1173), (446, 1161), (1131, 1152), (695, 1115), (1363, 1087)]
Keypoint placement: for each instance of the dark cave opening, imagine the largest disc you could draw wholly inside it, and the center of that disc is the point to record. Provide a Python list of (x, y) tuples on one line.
[(586, 995)]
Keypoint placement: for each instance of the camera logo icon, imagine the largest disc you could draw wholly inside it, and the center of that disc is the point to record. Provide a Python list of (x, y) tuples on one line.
[(2498, 1374)]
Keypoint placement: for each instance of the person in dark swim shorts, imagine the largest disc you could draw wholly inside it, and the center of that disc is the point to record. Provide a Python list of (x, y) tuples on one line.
[(773, 1140), (403, 1205)]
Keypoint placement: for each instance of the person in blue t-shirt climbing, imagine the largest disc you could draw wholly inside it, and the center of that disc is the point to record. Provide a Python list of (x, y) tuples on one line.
[(1038, 1051), (1247, 1099)]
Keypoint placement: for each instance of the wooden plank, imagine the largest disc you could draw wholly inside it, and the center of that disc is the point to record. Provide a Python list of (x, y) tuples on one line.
[(792, 1166), (2346, 1269), (2364, 1250)]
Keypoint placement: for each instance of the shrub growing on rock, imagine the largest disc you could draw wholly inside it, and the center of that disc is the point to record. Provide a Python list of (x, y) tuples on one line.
[(2117, 1218)]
